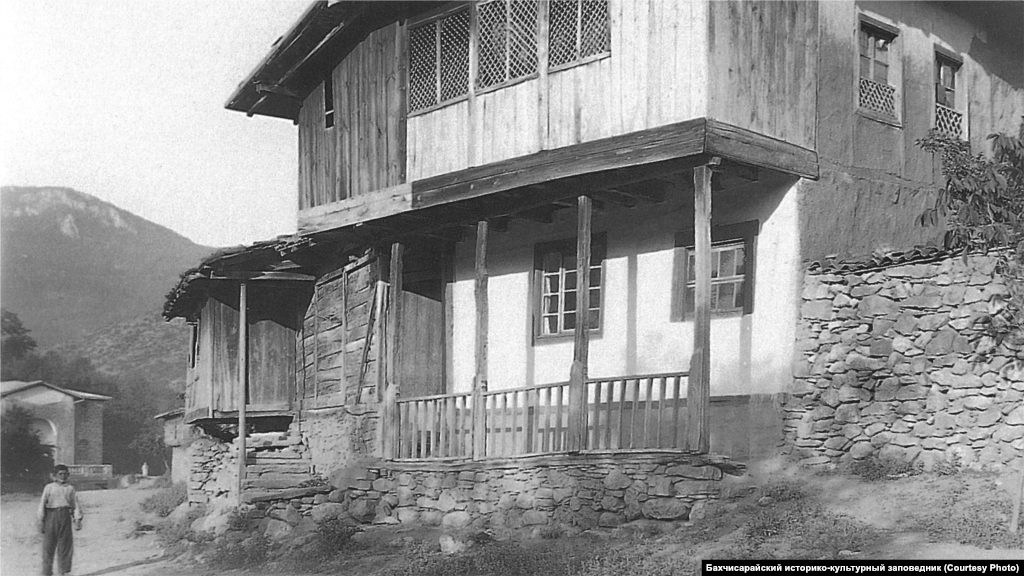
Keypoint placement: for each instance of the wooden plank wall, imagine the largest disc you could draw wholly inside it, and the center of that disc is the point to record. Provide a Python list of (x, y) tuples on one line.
[(335, 364), (271, 357), (365, 150), (763, 59), (656, 75), (224, 353)]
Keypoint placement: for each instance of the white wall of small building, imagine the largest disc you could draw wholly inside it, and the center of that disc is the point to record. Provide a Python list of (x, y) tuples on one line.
[(751, 354)]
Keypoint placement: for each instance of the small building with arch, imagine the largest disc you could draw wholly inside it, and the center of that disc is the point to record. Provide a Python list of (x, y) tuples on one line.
[(70, 421)]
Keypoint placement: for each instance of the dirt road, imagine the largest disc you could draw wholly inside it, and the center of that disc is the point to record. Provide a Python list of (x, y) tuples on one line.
[(103, 546)]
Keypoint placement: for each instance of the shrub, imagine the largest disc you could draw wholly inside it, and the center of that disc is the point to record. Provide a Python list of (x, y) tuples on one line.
[(252, 552), (164, 501)]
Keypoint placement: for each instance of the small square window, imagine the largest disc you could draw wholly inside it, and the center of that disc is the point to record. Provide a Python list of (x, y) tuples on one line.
[(732, 272), (439, 60), (557, 311)]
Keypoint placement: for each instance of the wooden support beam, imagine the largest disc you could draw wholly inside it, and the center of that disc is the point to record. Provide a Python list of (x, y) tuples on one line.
[(577, 433), (698, 395), (480, 354), (392, 383), (616, 197), (243, 380)]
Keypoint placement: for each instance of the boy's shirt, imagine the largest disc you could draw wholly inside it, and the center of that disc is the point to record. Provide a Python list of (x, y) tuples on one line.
[(57, 495)]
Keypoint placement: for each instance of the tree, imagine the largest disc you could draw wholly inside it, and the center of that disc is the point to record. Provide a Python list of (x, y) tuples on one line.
[(22, 454), (14, 339), (982, 203)]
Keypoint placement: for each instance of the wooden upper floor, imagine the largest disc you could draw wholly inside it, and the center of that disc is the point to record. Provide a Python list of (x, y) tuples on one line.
[(398, 101)]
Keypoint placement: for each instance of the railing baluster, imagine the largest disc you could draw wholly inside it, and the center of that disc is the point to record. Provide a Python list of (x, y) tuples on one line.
[(661, 408), (609, 396), (595, 436), (648, 416), (632, 420), (423, 429), (546, 437), (622, 409), (515, 420), (675, 411), (558, 423)]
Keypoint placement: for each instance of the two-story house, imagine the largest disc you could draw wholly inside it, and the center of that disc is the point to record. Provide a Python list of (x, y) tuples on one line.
[(568, 235)]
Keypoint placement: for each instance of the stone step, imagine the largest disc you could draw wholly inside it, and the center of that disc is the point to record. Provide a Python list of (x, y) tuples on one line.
[(275, 482), (292, 467)]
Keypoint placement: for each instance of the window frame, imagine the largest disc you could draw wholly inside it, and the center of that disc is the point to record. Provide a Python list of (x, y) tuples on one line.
[(727, 235), (894, 77), (328, 94), (954, 61), (598, 252), (431, 18)]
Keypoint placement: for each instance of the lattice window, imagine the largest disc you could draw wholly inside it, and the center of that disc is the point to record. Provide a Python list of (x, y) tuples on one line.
[(507, 42), (578, 29), (876, 94), (439, 61), (948, 121), (880, 98), (328, 102), (558, 303)]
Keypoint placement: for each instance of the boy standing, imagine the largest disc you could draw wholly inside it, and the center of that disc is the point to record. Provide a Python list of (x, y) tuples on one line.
[(58, 509)]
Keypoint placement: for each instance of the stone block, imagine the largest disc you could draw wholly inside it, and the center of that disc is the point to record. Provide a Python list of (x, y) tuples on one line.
[(1015, 417), (977, 403), (382, 484), (613, 503), (941, 343), (905, 324), (887, 390), (610, 520), (616, 480), (847, 413), (535, 518), (446, 502), (362, 510), (458, 519), (836, 443), (816, 310), (665, 509), (660, 486), (861, 450), (875, 305)]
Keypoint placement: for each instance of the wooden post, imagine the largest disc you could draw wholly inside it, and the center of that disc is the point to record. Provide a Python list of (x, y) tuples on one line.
[(243, 381), (1018, 495), (698, 394), (577, 432), (392, 381), (479, 430)]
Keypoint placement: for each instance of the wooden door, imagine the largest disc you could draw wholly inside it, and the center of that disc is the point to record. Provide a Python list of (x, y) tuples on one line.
[(421, 366)]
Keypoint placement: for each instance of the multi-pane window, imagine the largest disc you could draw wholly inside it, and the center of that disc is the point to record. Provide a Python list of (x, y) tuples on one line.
[(507, 42), (558, 313), (948, 120), (439, 60), (328, 103), (578, 29), (728, 275), (507, 37), (732, 272), (876, 92)]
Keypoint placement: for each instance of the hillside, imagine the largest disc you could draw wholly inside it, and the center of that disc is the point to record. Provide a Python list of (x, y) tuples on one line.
[(75, 267)]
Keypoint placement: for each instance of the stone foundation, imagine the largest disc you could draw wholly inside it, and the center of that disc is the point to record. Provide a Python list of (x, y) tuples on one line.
[(896, 363), (578, 490)]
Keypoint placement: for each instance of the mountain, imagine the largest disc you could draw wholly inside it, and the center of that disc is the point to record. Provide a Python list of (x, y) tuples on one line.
[(83, 274)]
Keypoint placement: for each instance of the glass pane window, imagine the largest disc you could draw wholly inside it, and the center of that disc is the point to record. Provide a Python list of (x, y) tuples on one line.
[(559, 303), (728, 273)]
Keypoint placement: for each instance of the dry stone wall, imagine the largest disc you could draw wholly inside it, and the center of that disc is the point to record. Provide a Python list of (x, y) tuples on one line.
[(584, 491), (896, 363), (213, 470)]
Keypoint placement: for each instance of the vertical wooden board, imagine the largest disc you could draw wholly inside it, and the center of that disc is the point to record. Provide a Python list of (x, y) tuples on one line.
[(224, 355), (271, 354)]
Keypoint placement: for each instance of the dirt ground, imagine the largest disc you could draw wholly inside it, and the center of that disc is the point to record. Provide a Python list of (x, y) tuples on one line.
[(914, 517), (103, 546)]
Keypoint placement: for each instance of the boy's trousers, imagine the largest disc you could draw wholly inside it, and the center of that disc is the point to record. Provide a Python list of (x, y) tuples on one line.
[(57, 537)]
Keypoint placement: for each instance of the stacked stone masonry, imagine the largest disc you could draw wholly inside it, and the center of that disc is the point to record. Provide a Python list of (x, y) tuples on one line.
[(570, 490), (896, 363)]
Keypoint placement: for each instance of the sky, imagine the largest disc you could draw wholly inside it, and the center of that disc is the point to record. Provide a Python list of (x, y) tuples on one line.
[(124, 100)]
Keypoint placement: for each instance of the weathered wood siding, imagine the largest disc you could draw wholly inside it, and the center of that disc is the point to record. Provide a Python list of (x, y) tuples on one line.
[(340, 340), (656, 75), (365, 150), (273, 324), (763, 67), (224, 357)]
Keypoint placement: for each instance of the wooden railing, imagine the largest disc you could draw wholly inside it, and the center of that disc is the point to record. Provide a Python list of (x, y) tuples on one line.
[(623, 413), (527, 420), (435, 426), (92, 470), (636, 412)]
